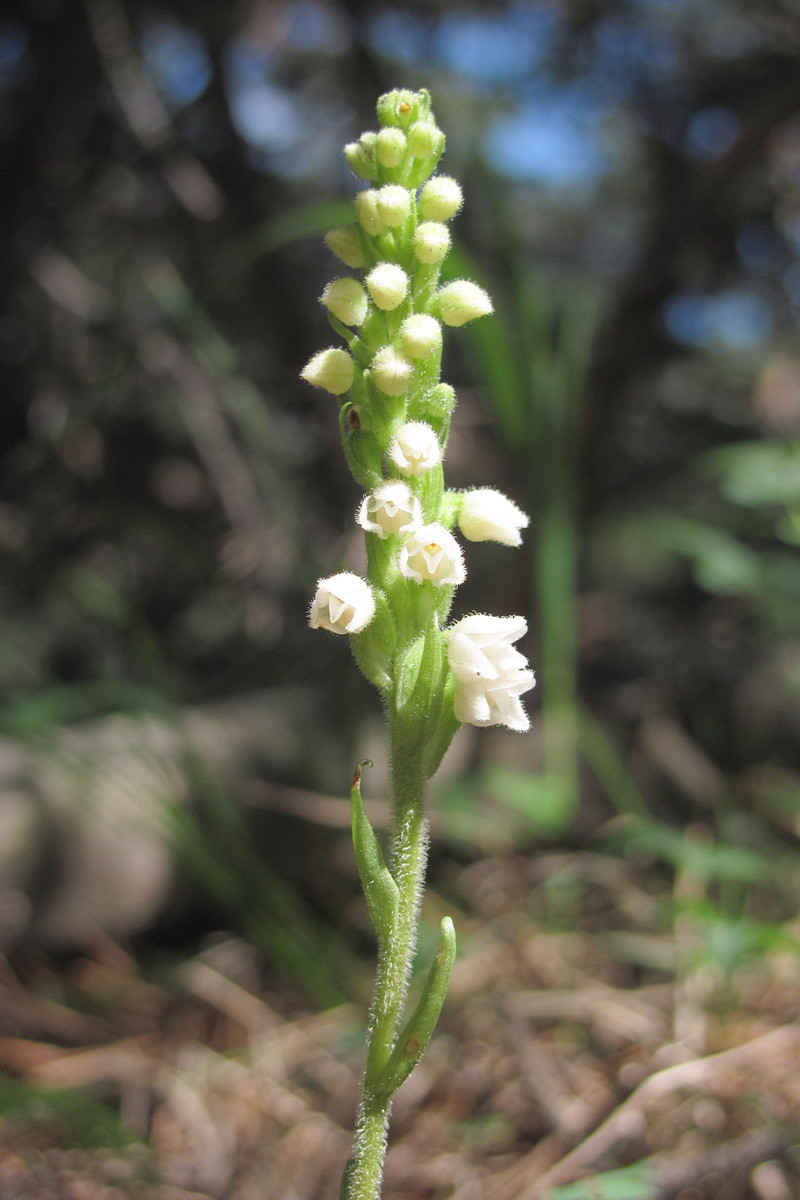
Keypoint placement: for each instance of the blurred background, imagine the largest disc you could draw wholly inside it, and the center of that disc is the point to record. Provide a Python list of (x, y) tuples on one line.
[(175, 743)]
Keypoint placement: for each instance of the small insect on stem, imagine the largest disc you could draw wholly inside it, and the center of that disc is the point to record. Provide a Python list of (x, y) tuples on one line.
[(353, 419)]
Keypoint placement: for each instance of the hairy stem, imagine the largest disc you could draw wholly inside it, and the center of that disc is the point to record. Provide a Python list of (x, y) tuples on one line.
[(408, 858)]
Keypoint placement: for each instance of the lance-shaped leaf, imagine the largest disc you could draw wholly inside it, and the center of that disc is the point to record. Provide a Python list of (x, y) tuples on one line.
[(379, 887), (417, 1032)]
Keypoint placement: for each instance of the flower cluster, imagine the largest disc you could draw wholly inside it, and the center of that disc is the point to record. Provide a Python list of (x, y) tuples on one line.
[(394, 418)]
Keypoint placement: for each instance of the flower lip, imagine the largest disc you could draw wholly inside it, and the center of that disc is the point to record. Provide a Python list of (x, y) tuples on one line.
[(342, 603)]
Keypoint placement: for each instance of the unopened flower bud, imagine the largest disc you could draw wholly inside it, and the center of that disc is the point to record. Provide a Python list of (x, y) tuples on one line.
[(345, 242), (401, 107), (343, 603), (425, 139), (415, 449), (387, 284), (441, 401), (488, 516), (347, 300), (431, 241), (361, 156), (394, 203), (390, 147), (420, 335), (367, 213), (391, 371), (440, 199), (462, 301), (431, 553), (390, 508), (331, 369)]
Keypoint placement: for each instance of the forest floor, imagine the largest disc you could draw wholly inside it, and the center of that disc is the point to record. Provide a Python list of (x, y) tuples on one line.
[(587, 1050)]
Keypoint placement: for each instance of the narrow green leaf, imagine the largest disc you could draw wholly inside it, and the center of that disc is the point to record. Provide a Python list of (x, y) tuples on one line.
[(417, 1032), (379, 887)]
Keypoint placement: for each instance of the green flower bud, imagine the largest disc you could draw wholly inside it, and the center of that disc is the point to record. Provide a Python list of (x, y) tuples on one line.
[(361, 156), (331, 369), (425, 140), (390, 147), (420, 335), (462, 301), (391, 371), (440, 199), (441, 401), (431, 241), (394, 204), (347, 300), (387, 284), (345, 242), (367, 213), (402, 107)]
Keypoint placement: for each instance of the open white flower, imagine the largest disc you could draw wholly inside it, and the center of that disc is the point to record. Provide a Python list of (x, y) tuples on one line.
[(415, 448), (432, 553), (390, 508), (343, 603), (490, 674), (489, 516)]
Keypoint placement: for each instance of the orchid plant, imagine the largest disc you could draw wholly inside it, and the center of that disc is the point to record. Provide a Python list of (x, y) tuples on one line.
[(433, 675)]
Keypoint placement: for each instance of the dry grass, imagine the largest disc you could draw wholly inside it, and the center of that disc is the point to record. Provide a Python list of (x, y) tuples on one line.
[(557, 1058)]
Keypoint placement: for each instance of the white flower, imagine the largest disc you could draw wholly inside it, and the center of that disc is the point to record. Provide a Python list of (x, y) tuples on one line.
[(462, 301), (391, 371), (390, 508), (387, 284), (331, 369), (489, 516), (432, 553), (344, 603), (415, 448), (490, 674)]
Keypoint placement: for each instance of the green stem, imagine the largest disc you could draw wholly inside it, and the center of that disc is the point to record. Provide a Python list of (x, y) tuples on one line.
[(408, 858)]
